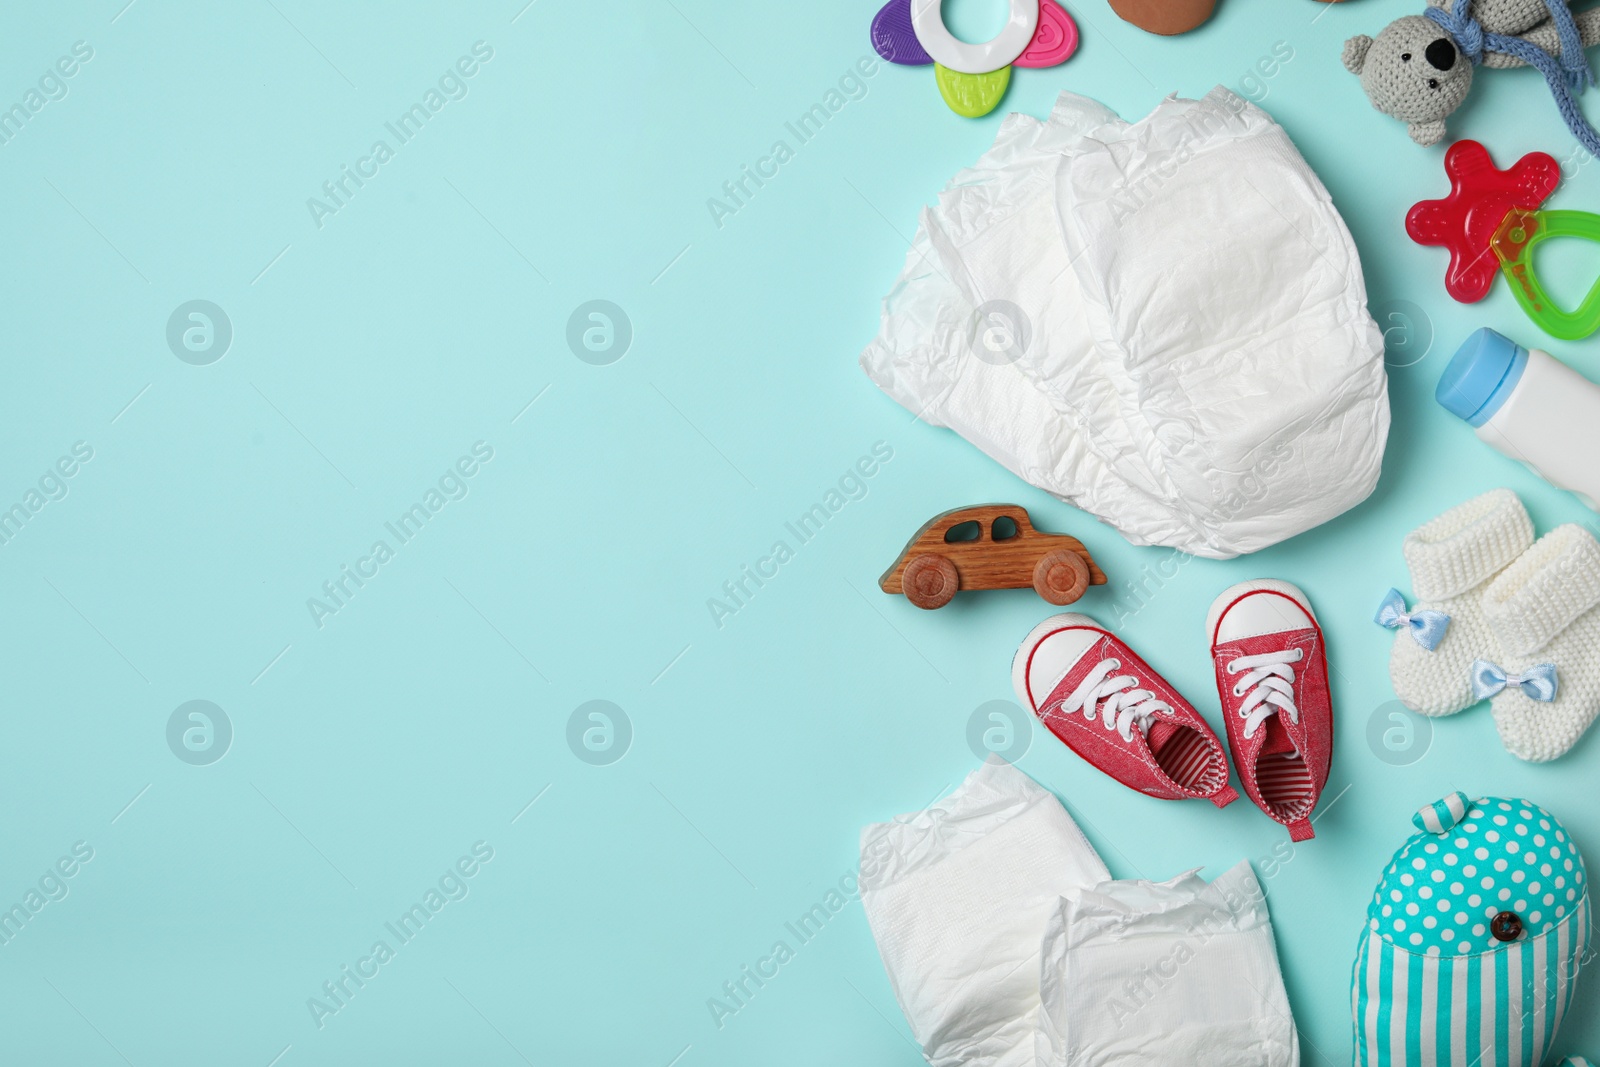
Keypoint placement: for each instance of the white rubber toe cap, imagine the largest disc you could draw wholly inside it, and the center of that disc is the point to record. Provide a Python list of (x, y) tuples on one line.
[(1238, 614), (1050, 650)]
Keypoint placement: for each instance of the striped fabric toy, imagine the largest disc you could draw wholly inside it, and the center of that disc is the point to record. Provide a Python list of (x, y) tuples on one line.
[(1473, 940)]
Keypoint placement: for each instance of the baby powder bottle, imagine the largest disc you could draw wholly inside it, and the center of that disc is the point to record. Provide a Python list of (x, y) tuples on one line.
[(1531, 407)]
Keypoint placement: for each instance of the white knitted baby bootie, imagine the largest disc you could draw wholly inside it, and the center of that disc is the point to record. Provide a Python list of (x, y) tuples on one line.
[(1452, 559), (1542, 609)]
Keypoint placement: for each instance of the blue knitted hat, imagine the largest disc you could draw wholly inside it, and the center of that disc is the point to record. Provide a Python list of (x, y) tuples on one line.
[(1473, 939)]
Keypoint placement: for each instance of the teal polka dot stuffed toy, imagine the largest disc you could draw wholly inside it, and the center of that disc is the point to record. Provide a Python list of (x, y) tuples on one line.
[(1473, 939)]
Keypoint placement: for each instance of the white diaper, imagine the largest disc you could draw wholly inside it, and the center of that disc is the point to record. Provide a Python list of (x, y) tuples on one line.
[(1008, 945), (956, 896), (995, 236), (1200, 370), (1145, 974)]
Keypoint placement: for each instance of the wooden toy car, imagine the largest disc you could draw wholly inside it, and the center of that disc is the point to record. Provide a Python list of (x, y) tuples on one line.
[(990, 546)]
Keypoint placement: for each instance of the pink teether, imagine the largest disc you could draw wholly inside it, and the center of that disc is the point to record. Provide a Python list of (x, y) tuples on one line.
[(1054, 41)]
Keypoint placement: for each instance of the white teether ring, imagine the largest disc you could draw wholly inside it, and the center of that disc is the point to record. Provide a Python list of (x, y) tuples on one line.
[(928, 23)]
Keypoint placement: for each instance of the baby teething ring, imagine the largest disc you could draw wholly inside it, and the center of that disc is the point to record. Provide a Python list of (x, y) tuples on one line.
[(965, 58), (1513, 243), (972, 78), (1480, 195), (1490, 210)]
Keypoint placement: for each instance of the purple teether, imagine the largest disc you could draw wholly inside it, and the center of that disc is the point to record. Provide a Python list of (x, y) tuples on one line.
[(893, 37)]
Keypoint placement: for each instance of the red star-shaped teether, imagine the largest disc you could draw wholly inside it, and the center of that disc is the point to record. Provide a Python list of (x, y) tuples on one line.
[(1480, 196)]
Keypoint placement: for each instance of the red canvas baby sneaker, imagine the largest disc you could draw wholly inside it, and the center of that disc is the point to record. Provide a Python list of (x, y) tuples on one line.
[(1272, 676), (1108, 706)]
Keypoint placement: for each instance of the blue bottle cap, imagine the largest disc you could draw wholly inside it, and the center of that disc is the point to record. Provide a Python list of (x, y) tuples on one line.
[(1482, 374)]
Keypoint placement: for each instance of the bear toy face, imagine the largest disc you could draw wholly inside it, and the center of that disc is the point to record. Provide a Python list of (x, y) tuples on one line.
[(1484, 913), (1413, 72)]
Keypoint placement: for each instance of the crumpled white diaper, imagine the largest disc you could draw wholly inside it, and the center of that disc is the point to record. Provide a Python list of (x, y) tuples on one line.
[(1138, 974), (1161, 322), (948, 352), (957, 895)]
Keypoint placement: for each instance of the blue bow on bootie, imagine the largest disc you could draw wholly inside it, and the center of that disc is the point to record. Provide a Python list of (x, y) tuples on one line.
[(1426, 625), (1537, 682)]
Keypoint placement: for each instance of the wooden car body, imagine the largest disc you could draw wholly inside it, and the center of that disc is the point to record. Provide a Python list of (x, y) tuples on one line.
[(991, 546)]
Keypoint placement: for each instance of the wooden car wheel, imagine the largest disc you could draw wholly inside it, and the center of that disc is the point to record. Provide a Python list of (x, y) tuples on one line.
[(1061, 576), (930, 581)]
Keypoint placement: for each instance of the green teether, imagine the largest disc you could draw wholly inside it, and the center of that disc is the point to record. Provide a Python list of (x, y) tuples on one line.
[(1513, 245), (972, 95)]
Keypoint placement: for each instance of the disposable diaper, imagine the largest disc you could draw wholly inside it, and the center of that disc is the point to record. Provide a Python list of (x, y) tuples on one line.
[(994, 239), (957, 895), (1190, 357), (1145, 974)]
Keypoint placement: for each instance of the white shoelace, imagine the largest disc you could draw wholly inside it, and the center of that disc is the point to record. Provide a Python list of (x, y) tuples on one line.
[(1114, 700), (1268, 688)]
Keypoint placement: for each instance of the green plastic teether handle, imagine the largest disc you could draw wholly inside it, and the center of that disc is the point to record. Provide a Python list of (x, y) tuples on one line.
[(972, 95), (1513, 245)]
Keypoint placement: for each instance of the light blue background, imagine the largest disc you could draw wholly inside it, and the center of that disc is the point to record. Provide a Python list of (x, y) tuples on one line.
[(372, 352)]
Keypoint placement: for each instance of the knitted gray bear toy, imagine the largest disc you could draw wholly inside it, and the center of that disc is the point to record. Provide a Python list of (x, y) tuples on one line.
[(1419, 68)]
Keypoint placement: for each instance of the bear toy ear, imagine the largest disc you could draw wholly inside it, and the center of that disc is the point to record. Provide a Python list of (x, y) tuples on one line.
[(1355, 53), (1427, 133)]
